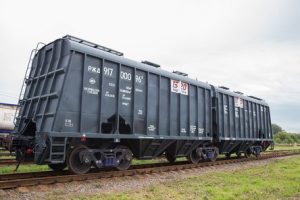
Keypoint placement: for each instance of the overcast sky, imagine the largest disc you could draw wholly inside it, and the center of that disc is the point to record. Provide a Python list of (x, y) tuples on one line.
[(250, 46)]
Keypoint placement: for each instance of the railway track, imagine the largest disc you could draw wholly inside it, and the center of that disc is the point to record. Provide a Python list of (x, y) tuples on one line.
[(9, 162), (9, 181)]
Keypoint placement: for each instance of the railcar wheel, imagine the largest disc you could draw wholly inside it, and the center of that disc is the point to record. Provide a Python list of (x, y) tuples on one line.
[(57, 167), (124, 158), (239, 154), (79, 163), (194, 157), (170, 157)]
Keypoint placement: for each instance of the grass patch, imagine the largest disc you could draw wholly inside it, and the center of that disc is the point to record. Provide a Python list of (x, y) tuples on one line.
[(280, 179), (286, 147), (24, 168), (7, 157)]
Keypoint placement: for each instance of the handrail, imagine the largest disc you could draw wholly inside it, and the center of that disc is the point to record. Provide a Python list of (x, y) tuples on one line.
[(27, 73)]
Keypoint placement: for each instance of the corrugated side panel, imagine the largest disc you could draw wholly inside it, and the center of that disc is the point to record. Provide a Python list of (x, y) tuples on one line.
[(242, 119), (43, 87), (140, 102), (164, 106), (102, 96)]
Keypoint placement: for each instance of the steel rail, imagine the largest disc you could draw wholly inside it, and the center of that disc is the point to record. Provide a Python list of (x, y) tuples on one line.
[(7, 162), (9, 181)]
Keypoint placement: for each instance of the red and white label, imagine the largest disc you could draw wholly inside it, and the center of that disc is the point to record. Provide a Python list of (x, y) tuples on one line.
[(179, 87), (175, 86), (238, 102), (184, 88)]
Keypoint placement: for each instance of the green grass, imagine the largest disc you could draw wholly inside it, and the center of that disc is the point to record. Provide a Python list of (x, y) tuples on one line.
[(286, 147), (24, 168), (7, 157), (278, 180)]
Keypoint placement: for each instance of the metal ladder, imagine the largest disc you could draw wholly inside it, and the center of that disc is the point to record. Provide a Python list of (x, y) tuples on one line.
[(58, 150), (21, 99)]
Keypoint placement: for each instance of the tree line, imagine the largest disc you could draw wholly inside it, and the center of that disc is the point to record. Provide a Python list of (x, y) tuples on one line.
[(281, 136)]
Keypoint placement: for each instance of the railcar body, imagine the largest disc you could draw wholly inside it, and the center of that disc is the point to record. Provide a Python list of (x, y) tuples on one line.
[(241, 123), (85, 104)]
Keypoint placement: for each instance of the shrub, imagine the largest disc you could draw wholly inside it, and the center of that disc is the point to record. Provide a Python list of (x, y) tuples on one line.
[(276, 129), (286, 138)]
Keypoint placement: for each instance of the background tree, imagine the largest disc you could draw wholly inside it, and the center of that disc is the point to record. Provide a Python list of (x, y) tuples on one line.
[(276, 129), (283, 137), (295, 137)]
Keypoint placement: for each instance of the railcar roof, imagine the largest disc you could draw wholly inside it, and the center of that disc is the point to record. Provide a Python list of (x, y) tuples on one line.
[(125, 61), (228, 92), (98, 52)]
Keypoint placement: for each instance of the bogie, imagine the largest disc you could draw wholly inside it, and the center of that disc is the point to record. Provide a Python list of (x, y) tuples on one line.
[(81, 158)]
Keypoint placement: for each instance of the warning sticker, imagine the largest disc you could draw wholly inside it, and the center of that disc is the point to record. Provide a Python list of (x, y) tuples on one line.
[(175, 86), (179, 87), (238, 102), (184, 88)]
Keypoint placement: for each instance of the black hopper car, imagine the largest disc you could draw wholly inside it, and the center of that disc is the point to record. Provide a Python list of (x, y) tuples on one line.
[(85, 105)]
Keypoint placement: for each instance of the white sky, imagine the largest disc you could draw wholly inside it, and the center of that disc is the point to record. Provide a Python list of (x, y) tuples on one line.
[(251, 46)]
